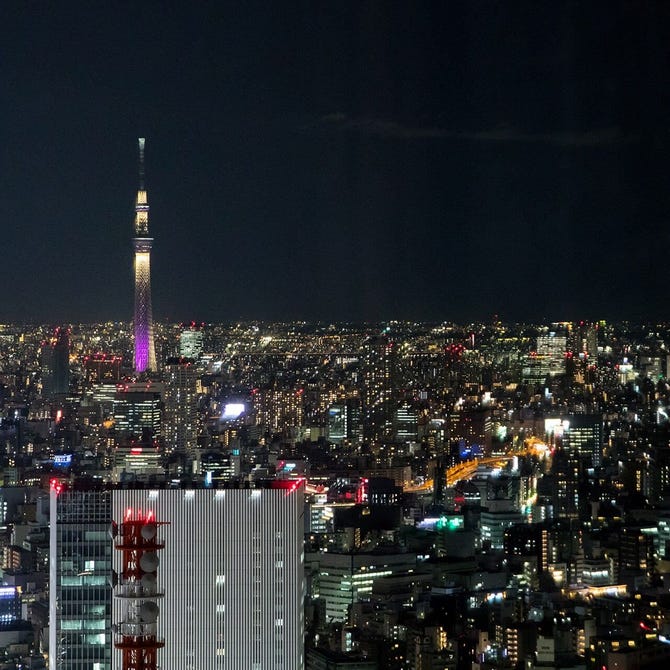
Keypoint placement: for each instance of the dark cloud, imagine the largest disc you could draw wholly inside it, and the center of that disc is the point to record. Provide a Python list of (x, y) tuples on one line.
[(392, 129)]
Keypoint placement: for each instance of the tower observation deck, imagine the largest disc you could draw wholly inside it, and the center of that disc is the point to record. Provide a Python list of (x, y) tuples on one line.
[(145, 355)]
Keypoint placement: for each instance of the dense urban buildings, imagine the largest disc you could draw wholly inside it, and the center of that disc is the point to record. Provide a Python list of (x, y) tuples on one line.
[(461, 514)]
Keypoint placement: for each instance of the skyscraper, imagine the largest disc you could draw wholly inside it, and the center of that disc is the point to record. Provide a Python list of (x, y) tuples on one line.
[(61, 361), (378, 368), (138, 411), (584, 434), (145, 356), (55, 361), (190, 341), (231, 596), (181, 403)]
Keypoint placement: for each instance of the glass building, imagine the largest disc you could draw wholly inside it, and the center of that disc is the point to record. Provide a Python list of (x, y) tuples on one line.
[(80, 577)]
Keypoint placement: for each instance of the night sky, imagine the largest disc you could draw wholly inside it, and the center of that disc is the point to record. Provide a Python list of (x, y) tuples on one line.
[(337, 161)]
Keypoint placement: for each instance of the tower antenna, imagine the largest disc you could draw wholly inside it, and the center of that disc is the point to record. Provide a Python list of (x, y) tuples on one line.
[(140, 142)]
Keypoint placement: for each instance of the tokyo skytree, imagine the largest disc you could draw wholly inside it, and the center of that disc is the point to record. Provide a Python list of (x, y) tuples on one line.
[(145, 355)]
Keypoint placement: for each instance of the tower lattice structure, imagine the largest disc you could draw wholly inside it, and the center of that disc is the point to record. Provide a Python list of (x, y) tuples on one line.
[(145, 355)]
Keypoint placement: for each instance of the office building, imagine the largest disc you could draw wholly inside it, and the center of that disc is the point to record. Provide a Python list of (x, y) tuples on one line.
[(347, 578), (344, 422), (566, 470), (190, 341), (179, 427), (61, 361), (406, 421), (495, 519), (138, 412), (232, 592), (102, 368), (378, 390), (547, 360), (55, 363), (80, 578), (583, 433)]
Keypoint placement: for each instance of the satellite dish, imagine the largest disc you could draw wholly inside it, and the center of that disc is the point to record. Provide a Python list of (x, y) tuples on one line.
[(149, 531), (148, 582), (148, 612), (149, 561), (113, 530)]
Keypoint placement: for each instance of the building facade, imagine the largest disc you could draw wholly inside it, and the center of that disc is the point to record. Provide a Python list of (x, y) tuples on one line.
[(231, 575), (180, 425)]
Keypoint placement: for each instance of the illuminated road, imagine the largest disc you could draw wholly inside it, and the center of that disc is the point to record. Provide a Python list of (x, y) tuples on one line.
[(467, 469), (456, 473)]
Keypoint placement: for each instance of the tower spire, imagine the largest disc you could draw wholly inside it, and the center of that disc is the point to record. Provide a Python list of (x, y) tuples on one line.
[(140, 142), (145, 356)]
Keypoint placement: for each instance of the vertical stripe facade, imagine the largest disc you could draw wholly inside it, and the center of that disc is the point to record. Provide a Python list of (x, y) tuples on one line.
[(232, 575)]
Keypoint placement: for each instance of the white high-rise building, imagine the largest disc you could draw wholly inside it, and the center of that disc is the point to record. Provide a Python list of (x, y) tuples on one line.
[(180, 424), (190, 342), (551, 350), (229, 577)]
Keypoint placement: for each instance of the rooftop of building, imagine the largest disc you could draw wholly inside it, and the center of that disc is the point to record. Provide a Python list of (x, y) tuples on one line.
[(90, 484)]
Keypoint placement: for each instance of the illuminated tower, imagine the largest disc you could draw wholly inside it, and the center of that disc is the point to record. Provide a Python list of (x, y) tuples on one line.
[(145, 356)]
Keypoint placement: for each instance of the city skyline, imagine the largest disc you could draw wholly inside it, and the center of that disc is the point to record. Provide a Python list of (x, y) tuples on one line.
[(417, 496), (350, 163)]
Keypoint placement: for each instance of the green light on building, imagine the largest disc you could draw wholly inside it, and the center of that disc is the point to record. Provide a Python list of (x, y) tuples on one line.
[(449, 523)]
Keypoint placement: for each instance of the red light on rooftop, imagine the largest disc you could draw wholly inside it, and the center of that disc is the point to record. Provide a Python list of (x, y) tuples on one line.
[(289, 485)]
